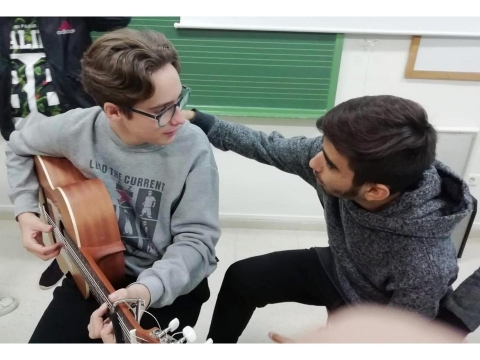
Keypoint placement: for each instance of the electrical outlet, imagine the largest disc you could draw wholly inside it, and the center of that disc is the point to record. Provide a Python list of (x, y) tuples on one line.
[(473, 180)]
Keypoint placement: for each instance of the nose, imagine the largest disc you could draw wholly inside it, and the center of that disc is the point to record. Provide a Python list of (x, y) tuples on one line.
[(177, 118), (316, 162)]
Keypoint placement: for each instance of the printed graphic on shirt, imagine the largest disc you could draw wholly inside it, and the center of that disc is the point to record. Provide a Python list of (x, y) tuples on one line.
[(25, 36), (136, 233), (32, 88), (150, 203), (65, 28), (137, 206), (125, 213)]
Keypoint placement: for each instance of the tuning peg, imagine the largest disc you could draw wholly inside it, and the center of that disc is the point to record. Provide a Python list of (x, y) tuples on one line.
[(189, 335), (172, 326)]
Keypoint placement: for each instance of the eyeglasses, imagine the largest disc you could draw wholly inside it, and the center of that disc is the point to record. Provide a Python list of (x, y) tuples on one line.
[(167, 115)]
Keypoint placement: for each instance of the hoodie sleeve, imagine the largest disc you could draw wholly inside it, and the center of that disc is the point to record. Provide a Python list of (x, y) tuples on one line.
[(195, 230), (464, 302), (24, 187), (290, 155), (40, 136)]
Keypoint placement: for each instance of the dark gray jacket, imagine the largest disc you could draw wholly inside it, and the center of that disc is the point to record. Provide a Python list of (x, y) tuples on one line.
[(402, 255)]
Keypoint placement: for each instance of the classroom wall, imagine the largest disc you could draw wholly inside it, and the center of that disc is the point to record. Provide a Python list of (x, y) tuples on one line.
[(253, 191)]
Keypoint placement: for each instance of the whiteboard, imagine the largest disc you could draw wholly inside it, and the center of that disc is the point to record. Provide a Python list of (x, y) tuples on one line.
[(421, 25), (449, 54), (444, 58)]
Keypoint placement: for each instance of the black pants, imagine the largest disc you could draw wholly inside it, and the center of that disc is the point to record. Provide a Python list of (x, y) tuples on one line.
[(68, 314), (284, 276)]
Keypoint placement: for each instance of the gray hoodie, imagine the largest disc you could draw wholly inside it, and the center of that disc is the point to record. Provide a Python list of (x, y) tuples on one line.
[(402, 256), (165, 197)]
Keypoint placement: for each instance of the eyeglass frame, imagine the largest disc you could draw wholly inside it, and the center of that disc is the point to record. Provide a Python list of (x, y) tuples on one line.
[(185, 94)]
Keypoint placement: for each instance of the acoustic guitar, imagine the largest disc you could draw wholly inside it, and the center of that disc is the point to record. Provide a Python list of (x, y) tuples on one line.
[(83, 219)]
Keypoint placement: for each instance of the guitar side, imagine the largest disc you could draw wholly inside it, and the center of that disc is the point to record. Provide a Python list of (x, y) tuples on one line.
[(82, 208)]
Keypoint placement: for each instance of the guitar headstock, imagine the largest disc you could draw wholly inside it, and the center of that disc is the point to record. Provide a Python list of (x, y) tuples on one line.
[(167, 336), (126, 324)]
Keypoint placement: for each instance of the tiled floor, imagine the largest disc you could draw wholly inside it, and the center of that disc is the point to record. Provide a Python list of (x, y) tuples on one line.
[(20, 272)]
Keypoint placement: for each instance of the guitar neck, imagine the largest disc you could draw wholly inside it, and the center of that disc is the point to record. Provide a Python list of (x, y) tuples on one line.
[(99, 288)]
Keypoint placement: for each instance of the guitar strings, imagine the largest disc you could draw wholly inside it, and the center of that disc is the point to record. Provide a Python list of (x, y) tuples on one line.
[(80, 264), (154, 318), (143, 312), (100, 293)]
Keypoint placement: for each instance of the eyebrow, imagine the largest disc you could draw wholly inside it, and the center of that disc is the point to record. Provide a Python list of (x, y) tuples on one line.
[(167, 103), (327, 159)]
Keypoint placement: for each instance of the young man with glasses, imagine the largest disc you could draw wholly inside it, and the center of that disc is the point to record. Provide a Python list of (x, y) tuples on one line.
[(160, 173)]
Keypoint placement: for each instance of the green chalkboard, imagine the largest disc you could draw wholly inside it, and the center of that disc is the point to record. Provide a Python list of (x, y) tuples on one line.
[(254, 73)]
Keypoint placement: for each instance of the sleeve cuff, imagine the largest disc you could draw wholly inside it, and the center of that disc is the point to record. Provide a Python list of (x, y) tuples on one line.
[(154, 286), (26, 203), (203, 121)]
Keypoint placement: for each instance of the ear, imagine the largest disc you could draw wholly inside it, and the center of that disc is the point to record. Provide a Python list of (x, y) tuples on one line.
[(112, 111), (377, 192)]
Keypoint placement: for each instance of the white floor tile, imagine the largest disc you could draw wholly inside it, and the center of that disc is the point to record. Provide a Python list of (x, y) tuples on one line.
[(254, 242), (308, 239)]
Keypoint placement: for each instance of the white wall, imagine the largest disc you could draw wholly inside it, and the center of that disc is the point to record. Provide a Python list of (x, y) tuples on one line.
[(248, 188), (378, 69), (255, 191)]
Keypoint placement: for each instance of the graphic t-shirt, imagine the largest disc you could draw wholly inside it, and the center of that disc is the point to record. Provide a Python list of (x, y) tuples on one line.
[(32, 88)]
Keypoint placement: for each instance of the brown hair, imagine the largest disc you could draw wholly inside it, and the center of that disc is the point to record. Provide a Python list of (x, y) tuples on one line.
[(118, 66)]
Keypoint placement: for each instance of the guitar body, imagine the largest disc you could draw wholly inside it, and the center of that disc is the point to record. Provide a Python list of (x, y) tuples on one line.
[(83, 219), (82, 208)]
